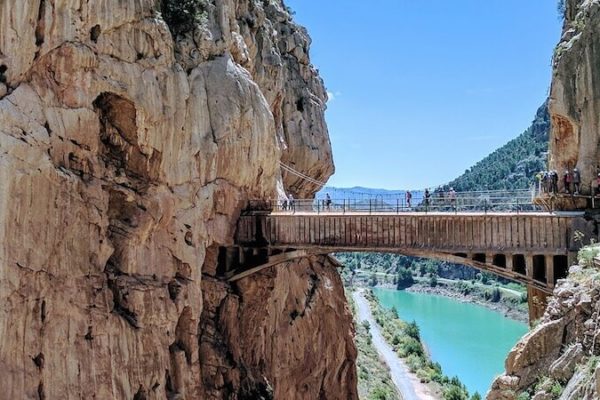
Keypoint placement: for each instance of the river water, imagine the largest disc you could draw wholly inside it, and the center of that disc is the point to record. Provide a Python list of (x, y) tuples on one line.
[(469, 341)]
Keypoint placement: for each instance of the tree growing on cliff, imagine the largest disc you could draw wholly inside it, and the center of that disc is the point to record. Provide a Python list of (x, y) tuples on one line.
[(561, 7), (184, 15)]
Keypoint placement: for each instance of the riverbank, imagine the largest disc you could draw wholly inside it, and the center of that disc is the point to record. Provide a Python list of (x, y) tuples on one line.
[(374, 377), (467, 292), (467, 340), (514, 313), (407, 383), (426, 276)]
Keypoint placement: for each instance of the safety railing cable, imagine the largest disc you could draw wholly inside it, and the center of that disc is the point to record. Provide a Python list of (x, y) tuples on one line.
[(307, 178)]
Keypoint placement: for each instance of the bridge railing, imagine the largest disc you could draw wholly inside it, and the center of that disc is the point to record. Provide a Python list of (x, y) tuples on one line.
[(488, 201)]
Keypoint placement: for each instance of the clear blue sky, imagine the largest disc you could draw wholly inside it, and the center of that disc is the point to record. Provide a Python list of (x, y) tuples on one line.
[(423, 89)]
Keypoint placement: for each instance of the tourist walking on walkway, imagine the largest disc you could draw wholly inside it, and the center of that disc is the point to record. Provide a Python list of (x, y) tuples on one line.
[(408, 195), (547, 181), (554, 177), (291, 204), (427, 198), (577, 181), (567, 180), (327, 201), (452, 196), (540, 180)]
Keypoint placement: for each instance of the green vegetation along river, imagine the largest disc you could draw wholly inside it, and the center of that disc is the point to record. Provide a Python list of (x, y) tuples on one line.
[(468, 340)]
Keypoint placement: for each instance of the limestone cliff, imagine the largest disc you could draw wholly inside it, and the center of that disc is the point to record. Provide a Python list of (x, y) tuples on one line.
[(127, 150), (575, 93), (559, 358)]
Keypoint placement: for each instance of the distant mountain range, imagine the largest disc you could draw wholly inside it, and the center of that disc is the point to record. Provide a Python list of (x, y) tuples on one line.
[(358, 191)]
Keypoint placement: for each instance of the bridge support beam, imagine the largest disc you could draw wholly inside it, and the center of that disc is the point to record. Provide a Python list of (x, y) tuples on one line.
[(489, 258), (509, 263), (550, 271), (537, 301), (529, 266)]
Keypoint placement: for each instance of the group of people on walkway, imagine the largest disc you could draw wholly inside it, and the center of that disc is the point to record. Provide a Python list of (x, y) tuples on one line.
[(442, 197), (289, 203), (548, 181)]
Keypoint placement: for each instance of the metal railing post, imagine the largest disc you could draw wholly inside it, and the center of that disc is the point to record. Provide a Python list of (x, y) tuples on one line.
[(370, 206), (397, 206)]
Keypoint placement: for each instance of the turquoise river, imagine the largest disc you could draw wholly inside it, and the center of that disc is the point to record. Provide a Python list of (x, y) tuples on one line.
[(469, 341)]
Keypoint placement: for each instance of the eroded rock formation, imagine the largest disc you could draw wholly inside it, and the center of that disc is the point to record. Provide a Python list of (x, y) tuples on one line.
[(126, 155), (575, 93), (559, 358)]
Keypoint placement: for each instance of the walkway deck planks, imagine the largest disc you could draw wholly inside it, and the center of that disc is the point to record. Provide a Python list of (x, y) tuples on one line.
[(437, 235)]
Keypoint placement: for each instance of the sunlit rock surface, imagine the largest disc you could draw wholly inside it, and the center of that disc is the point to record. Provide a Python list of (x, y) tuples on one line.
[(561, 353), (125, 159), (575, 93), (559, 357)]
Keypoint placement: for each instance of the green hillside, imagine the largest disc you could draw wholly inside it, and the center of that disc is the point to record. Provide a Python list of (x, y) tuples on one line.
[(514, 165)]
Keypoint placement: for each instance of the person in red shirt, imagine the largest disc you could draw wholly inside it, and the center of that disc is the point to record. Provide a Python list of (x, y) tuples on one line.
[(568, 179)]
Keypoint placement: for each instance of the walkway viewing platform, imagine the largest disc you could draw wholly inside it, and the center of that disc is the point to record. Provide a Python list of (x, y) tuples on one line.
[(509, 237), (532, 248), (502, 233)]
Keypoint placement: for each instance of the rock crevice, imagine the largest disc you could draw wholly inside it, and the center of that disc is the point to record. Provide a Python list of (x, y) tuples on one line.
[(126, 157)]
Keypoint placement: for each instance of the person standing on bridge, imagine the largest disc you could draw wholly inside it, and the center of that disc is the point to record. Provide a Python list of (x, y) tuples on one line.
[(427, 198), (539, 177), (567, 180), (327, 201), (452, 196), (547, 182), (291, 203), (408, 195), (554, 177), (577, 181)]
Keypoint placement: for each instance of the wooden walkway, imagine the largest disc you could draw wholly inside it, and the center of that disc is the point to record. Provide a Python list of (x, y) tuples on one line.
[(533, 248)]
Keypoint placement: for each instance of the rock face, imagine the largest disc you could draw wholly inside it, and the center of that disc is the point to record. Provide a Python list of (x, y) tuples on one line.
[(287, 328), (558, 359), (126, 155), (575, 93)]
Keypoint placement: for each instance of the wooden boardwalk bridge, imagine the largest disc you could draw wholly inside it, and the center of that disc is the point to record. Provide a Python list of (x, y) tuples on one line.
[(531, 248), (534, 248)]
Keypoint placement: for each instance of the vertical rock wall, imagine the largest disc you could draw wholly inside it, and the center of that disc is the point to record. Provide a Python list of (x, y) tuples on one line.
[(125, 157), (575, 93), (558, 359)]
